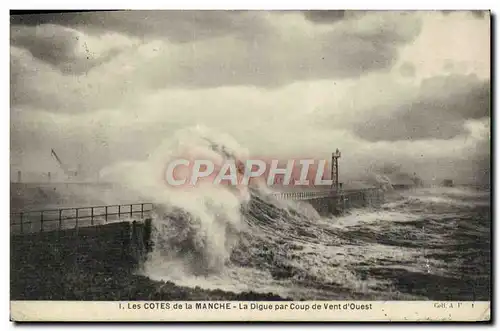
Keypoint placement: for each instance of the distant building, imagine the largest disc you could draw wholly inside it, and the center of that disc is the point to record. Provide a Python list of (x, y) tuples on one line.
[(357, 185), (447, 183), (401, 181)]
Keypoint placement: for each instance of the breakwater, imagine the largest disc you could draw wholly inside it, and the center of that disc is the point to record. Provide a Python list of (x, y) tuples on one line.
[(46, 265), (81, 249), (335, 203)]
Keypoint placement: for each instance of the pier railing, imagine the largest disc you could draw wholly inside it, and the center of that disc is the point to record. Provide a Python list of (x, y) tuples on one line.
[(70, 218), (306, 195), (356, 194)]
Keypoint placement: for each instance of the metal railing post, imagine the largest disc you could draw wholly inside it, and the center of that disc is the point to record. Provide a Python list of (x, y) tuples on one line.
[(41, 221), (21, 215), (76, 224), (58, 216)]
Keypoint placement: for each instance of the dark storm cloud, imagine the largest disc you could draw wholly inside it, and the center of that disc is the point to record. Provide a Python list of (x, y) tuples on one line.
[(35, 84), (334, 56), (262, 48), (53, 37), (60, 47), (480, 13), (325, 16), (443, 106), (176, 26), (475, 13), (349, 50), (56, 45)]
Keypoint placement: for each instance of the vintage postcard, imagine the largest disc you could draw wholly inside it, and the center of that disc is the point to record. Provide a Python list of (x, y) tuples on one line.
[(279, 165)]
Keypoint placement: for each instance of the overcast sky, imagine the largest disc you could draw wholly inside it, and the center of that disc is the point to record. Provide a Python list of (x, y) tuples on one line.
[(411, 88)]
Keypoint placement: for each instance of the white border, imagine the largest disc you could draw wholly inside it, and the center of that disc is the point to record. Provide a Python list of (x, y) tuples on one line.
[(190, 4), (257, 4)]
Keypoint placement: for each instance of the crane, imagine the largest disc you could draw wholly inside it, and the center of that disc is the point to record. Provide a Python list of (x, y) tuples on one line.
[(67, 172)]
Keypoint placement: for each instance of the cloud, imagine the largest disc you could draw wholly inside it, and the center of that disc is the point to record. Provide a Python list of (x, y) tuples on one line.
[(281, 84), (175, 26), (36, 83), (67, 49), (457, 43), (325, 16), (264, 49), (479, 14), (438, 111), (267, 122)]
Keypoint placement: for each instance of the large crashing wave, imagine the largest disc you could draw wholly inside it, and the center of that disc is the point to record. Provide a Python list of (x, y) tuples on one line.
[(244, 239), (198, 230), (195, 228)]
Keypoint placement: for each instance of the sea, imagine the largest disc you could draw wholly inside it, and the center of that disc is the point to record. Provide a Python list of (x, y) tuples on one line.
[(426, 243), (420, 244)]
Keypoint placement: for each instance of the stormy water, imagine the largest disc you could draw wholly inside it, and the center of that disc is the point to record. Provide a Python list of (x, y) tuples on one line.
[(421, 244)]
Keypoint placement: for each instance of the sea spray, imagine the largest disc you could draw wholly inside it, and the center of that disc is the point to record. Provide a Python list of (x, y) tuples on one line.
[(194, 228), (242, 240)]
